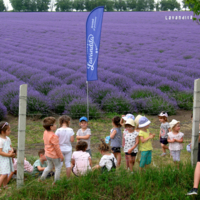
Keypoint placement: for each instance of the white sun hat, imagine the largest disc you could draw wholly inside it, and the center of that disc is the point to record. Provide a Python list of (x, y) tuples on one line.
[(173, 123), (128, 116), (143, 121), (130, 122), (163, 114)]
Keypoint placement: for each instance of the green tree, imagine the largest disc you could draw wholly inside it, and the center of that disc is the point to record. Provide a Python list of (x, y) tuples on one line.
[(17, 5), (173, 4), (169, 5), (2, 6), (194, 5), (164, 5), (109, 5), (157, 5), (78, 5), (141, 5), (131, 4), (151, 5), (90, 5), (63, 5), (43, 5)]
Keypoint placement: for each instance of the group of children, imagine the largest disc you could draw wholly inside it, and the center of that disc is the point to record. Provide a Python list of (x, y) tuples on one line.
[(136, 139)]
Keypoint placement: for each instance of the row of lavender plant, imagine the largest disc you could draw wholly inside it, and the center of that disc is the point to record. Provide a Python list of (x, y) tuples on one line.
[(134, 59)]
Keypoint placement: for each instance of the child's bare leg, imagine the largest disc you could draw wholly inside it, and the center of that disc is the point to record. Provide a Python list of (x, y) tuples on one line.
[(10, 176), (163, 148), (118, 157), (197, 175), (2, 177), (127, 161), (147, 166), (68, 172), (130, 162), (5, 181), (96, 167)]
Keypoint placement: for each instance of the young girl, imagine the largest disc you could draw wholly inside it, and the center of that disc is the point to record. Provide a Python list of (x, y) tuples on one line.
[(145, 143), (137, 129), (164, 129), (81, 160), (6, 154), (131, 142), (122, 122), (66, 136), (108, 161), (116, 139), (175, 139)]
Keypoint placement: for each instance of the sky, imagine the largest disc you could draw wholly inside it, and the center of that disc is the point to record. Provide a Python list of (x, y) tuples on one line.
[(7, 3)]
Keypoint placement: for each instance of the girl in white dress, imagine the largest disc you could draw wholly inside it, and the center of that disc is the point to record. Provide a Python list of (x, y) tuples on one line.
[(6, 154)]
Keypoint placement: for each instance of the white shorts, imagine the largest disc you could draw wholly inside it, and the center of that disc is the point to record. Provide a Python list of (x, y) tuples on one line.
[(176, 155), (67, 156)]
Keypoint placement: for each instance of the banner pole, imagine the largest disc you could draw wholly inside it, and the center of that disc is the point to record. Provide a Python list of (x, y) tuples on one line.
[(87, 102)]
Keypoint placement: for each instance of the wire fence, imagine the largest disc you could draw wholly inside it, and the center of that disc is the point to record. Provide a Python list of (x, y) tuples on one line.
[(100, 125)]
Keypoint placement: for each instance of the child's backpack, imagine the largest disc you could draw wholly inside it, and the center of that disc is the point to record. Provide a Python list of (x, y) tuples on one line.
[(104, 168)]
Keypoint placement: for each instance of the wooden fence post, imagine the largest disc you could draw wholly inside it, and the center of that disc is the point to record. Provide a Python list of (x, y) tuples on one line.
[(21, 134)]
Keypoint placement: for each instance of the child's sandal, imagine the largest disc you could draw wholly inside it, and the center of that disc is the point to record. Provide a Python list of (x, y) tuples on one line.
[(6, 187)]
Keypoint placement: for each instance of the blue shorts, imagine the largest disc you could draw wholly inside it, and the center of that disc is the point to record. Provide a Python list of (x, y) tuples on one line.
[(145, 158)]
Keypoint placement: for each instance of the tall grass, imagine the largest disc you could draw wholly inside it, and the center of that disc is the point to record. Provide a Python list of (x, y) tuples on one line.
[(155, 183)]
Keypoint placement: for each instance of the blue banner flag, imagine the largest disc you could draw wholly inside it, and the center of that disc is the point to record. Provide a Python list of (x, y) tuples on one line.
[(93, 36)]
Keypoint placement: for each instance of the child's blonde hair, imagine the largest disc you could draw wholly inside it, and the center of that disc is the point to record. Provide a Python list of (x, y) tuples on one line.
[(137, 121), (175, 126)]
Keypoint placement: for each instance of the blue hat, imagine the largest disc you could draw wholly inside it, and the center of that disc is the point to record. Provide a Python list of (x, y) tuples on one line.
[(83, 119), (143, 121), (129, 116)]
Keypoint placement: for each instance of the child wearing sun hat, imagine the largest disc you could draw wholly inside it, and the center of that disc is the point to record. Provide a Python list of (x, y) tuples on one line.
[(145, 143), (175, 139), (131, 142), (122, 122), (164, 130)]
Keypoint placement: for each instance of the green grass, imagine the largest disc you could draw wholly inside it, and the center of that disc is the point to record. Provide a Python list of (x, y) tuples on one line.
[(161, 181), (155, 183)]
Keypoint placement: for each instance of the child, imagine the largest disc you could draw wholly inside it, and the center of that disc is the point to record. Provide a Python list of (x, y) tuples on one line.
[(52, 149), (28, 168), (189, 146), (6, 154), (122, 122), (40, 165), (145, 144), (116, 139), (108, 161), (175, 139), (164, 129), (81, 160), (194, 190), (137, 129), (84, 133), (137, 123), (66, 136), (131, 142)]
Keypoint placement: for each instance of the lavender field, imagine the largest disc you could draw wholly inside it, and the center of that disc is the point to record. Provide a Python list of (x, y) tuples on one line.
[(146, 63)]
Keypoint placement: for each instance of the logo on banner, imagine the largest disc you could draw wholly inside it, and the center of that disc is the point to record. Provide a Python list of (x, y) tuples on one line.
[(92, 52)]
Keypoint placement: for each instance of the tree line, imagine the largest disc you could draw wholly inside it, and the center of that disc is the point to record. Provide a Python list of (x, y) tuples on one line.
[(88, 5)]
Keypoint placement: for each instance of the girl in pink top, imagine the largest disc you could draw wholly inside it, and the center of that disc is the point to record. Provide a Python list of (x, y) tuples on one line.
[(81, 160)]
